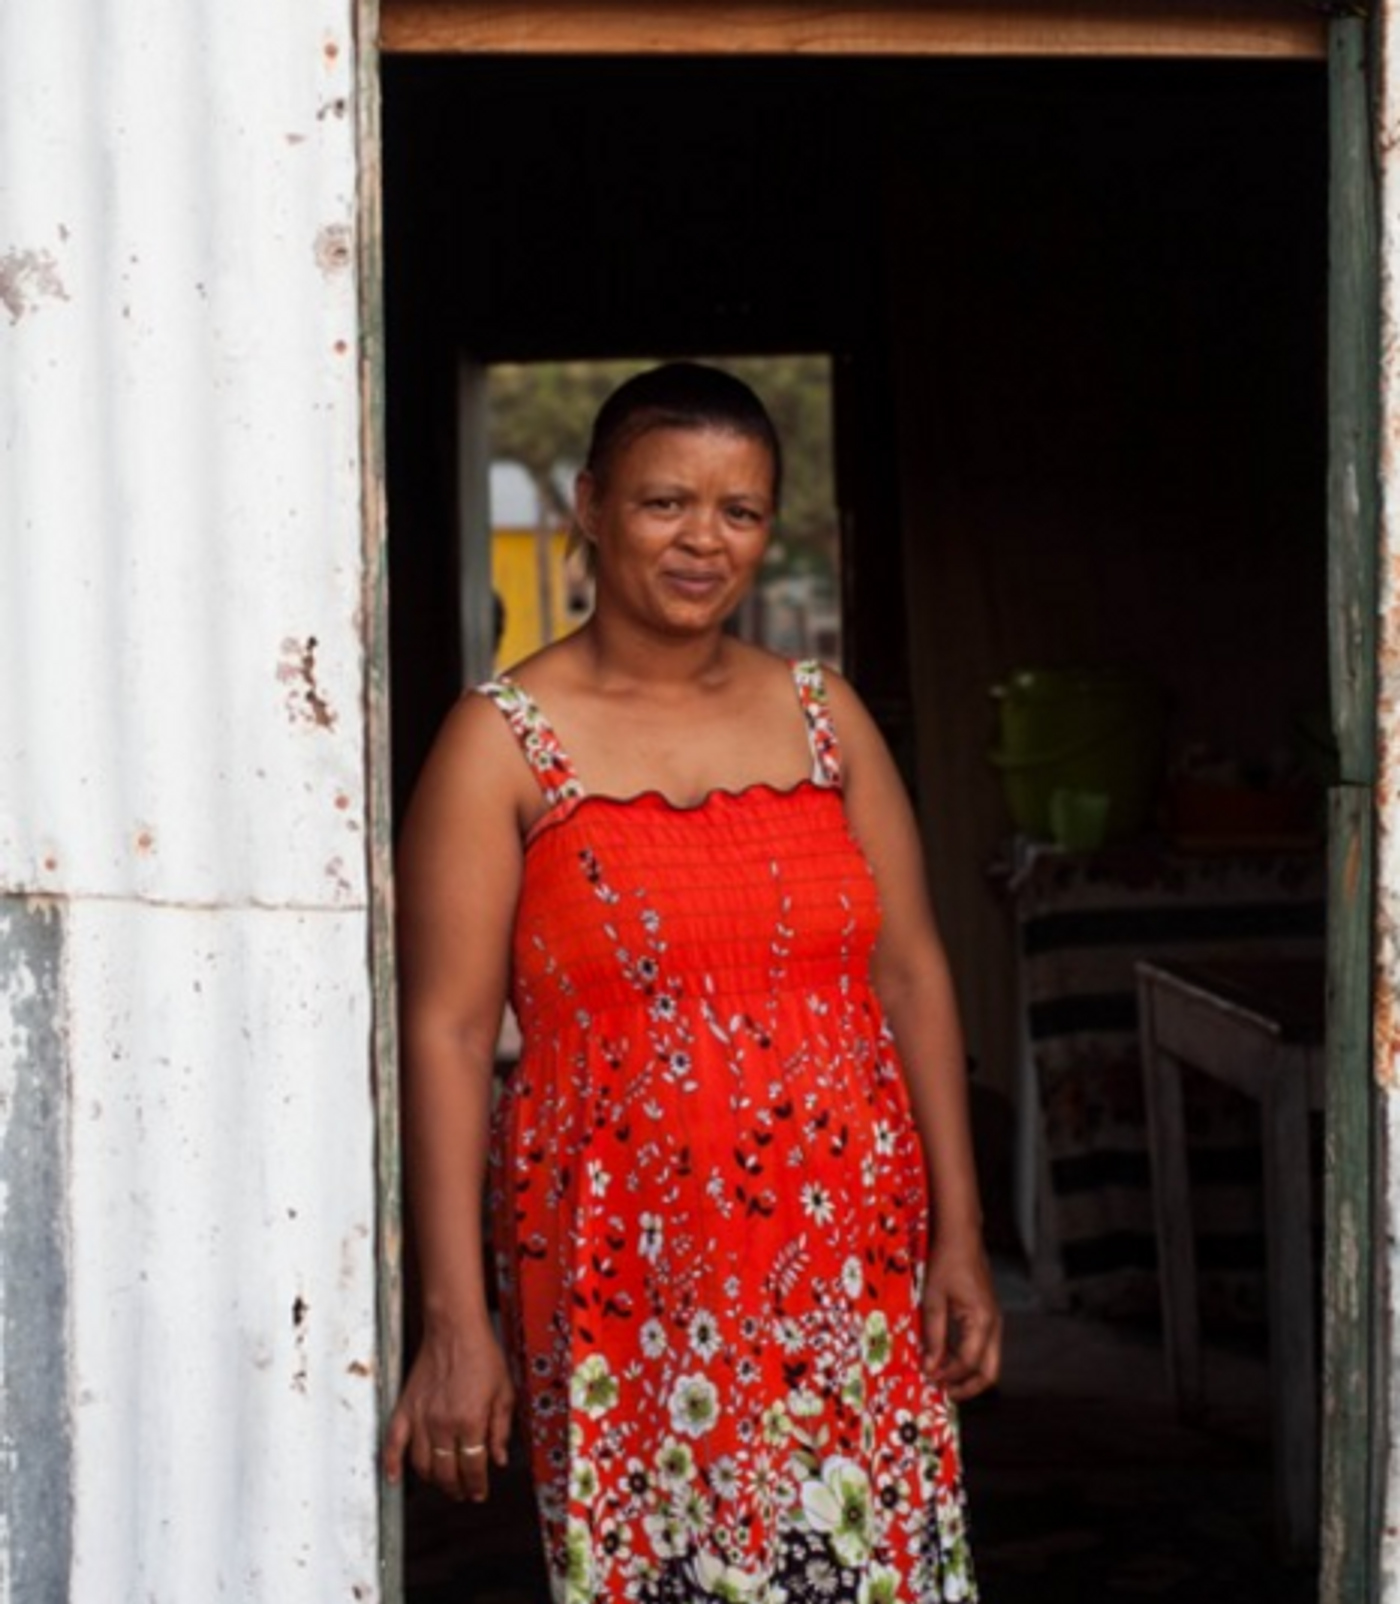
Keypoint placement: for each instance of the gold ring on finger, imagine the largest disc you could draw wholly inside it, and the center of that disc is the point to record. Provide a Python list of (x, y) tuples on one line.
[(471, 1450)]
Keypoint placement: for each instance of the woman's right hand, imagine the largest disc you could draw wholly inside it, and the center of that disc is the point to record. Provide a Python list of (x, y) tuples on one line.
[(453, 1417)]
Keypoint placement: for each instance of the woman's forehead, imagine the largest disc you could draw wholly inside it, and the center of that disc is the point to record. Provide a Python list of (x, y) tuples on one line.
[(664, 448)]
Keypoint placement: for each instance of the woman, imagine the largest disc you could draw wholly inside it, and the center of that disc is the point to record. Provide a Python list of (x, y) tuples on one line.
[(741, 1093)]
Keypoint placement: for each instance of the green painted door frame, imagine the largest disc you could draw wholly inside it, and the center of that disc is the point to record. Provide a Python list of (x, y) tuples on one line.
[(1353, 1401)]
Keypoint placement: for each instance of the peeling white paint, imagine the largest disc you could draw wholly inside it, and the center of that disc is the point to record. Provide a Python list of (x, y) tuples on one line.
[(27, 279)]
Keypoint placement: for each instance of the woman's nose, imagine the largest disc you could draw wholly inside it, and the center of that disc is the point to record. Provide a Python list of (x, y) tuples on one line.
[(704, 529)]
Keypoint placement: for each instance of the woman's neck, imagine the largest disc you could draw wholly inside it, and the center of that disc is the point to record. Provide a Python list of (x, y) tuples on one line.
[(620, 657)]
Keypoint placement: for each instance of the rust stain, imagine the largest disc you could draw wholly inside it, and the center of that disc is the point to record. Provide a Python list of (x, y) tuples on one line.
[(306, 703), (145, 841), (342, 801), (50, 862), (336, 108), (300, 1310), (341, 347), (1386, 1040), (331, 52), (357, 1367), (26, 278), (335, 873), (333, 248)]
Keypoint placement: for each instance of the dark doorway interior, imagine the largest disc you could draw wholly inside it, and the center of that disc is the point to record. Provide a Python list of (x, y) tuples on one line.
[(1077, 314)]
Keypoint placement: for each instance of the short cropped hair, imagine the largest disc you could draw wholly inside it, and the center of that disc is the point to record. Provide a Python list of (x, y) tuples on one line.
[(681, 395)]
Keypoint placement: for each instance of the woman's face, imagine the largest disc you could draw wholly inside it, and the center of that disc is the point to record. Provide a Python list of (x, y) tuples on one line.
[(679, 522)]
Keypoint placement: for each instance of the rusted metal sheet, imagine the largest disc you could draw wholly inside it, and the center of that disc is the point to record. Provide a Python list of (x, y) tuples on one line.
[(187, 1099)]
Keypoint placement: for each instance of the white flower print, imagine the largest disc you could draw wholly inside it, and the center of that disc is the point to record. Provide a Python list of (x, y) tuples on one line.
[(675, 1464), (653, 1234), (790, 1338), (876, 1344), (804, 1403), (726, 1582), (692, 1510), (821, 1577), (884, 1139), (598, 1178), (583, 1481), (852, 1277), (777, 1424), (669, 1538), (654, 1339), (816, 1202), (704, 1334), (879, 1585), (724, 1477), (594, 1388), (840, 1506), (578, 1575), (694, 1405)]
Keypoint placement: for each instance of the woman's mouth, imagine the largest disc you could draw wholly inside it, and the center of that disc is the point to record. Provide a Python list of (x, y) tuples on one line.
[(695, 583)]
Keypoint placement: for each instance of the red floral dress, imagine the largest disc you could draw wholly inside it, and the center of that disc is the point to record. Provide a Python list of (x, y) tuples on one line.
[(710, 1205)]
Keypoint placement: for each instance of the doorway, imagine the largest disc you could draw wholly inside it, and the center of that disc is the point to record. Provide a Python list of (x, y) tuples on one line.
[(1078, 311)]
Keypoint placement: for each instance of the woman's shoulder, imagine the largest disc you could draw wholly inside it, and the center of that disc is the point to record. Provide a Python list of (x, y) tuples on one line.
[(552, 668)]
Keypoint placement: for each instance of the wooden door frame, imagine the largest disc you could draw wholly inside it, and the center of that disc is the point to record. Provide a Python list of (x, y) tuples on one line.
[(1355, 1453), (1257, 29)]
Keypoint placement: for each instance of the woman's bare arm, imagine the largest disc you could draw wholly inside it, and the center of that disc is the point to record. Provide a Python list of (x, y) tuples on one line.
[(911, 978), (459, 867)]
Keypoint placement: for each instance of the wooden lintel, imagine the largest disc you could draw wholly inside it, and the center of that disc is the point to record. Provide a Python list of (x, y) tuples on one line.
[(1258, 29)]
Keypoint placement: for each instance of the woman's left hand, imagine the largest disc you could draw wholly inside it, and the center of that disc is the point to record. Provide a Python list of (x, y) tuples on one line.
[(962, 1320)]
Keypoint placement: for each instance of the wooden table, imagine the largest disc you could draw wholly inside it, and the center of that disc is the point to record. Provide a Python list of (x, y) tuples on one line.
[(1257, 1026)]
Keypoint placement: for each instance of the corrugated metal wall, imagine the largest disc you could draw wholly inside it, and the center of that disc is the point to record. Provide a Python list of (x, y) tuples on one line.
[(187, 1314)]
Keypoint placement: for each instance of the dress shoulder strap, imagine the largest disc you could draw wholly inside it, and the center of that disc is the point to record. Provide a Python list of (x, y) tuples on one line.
[(548, 761), (821, 729)]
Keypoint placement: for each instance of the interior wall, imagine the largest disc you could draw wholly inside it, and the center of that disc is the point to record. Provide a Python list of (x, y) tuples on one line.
[(1110, 375)]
